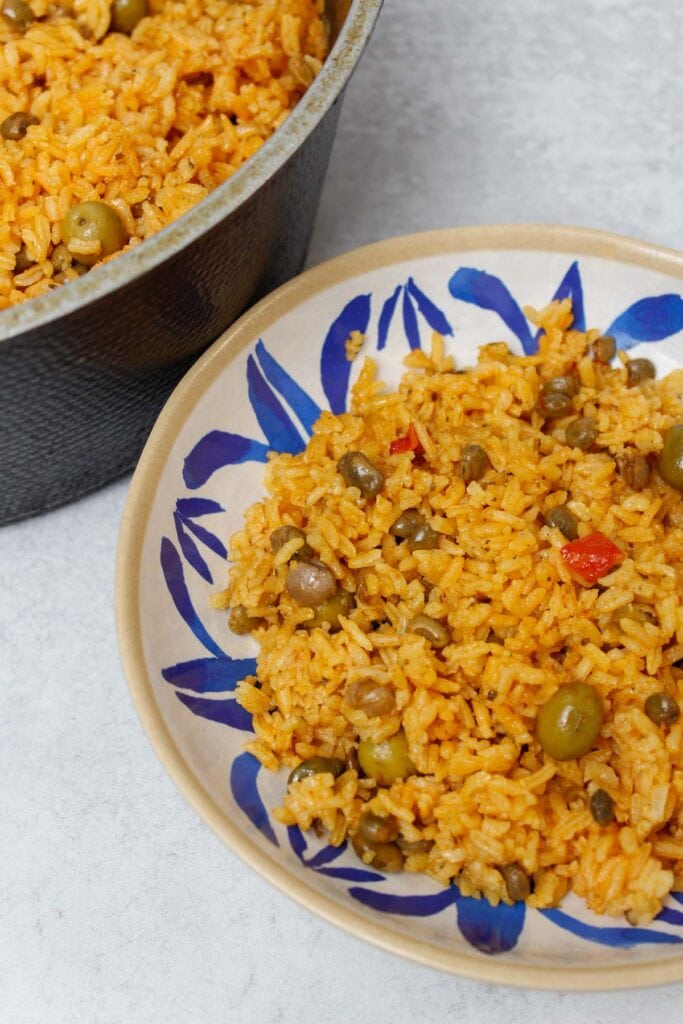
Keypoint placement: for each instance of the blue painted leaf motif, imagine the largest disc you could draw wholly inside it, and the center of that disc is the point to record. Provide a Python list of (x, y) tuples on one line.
[(571, 287), (670, 916), (226, 712), (411, 906), (326, 856), (297, 841), (410, 321), (243, 775), (172, 568), (191, 551), (273, 420), (217, 449), (619, 937), (301, 404), (335, 368), (209, 675), (490, 929), (192, 508), (433, 315), (351, 874), (385, 318), (212, 542), (648, 320), (489, 292)]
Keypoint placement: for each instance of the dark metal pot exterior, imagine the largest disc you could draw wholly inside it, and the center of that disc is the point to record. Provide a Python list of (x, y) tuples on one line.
[(80, 392)]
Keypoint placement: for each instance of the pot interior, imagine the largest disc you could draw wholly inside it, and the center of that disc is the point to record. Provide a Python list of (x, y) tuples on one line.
[(336, 11)]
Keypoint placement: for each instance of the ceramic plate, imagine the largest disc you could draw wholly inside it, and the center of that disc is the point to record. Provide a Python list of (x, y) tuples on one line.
[(260, 388)]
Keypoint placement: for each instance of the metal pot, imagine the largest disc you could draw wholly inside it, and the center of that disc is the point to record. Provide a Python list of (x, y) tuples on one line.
[(85, 369)]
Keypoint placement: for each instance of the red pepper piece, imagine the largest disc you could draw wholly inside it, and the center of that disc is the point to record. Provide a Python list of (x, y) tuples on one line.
[(592, 556), (409, 443)]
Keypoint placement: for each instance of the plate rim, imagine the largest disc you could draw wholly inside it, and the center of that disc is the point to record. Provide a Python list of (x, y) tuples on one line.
[(537, 237)]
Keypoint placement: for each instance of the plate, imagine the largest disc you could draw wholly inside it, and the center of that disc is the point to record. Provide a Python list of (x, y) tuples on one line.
[(260, 387)]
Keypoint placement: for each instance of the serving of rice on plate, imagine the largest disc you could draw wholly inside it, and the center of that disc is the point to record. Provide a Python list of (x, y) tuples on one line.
[(458, 641), (147, 121)]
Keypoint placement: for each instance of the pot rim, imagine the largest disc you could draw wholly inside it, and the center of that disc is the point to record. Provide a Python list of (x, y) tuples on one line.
[(221, 202)]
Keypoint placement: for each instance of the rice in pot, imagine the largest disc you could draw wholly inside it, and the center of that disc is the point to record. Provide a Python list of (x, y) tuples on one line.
[(149, 122)]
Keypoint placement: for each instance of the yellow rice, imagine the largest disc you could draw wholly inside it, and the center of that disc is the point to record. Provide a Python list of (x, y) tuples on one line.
[(484, 793), (150, 123)]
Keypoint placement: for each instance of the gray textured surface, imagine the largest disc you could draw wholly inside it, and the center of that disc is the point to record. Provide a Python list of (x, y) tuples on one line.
[(117, 906)]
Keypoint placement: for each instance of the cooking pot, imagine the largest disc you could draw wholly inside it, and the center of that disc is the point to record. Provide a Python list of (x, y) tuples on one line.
[(85, 369)]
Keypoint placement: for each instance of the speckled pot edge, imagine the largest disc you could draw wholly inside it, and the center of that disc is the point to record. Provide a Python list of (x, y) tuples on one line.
[(550, 238), (220, 203)]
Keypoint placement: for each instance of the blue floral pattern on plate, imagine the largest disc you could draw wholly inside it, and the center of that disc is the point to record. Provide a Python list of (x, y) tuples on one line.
[(285, 414)]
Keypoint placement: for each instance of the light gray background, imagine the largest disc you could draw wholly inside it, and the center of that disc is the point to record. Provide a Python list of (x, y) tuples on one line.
[(117, 906)]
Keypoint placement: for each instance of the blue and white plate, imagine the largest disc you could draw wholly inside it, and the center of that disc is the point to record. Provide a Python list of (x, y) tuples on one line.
[(260, 388)]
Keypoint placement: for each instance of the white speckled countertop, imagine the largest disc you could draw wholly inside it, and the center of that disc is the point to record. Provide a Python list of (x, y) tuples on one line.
[(117, 905)]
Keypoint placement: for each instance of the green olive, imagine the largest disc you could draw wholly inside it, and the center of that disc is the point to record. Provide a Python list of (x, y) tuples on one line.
[(604, 348), (94, 221), (634, 470), (434, 631), (125, 14), (387, 760), (407, 523), (662, 709), (370, 697), (310, 584), (671, 458), (638, 370), (359, 472), (602, 807), (17, 13), (424, 538), (284, 534), (316, 766), (569, 723), (387, 857), (16, 125), (383, 856), (339, 603), (581, 433), (241, 622), (563, 520), (516, 882), (377, 829), (474, 462), (555, 404)]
